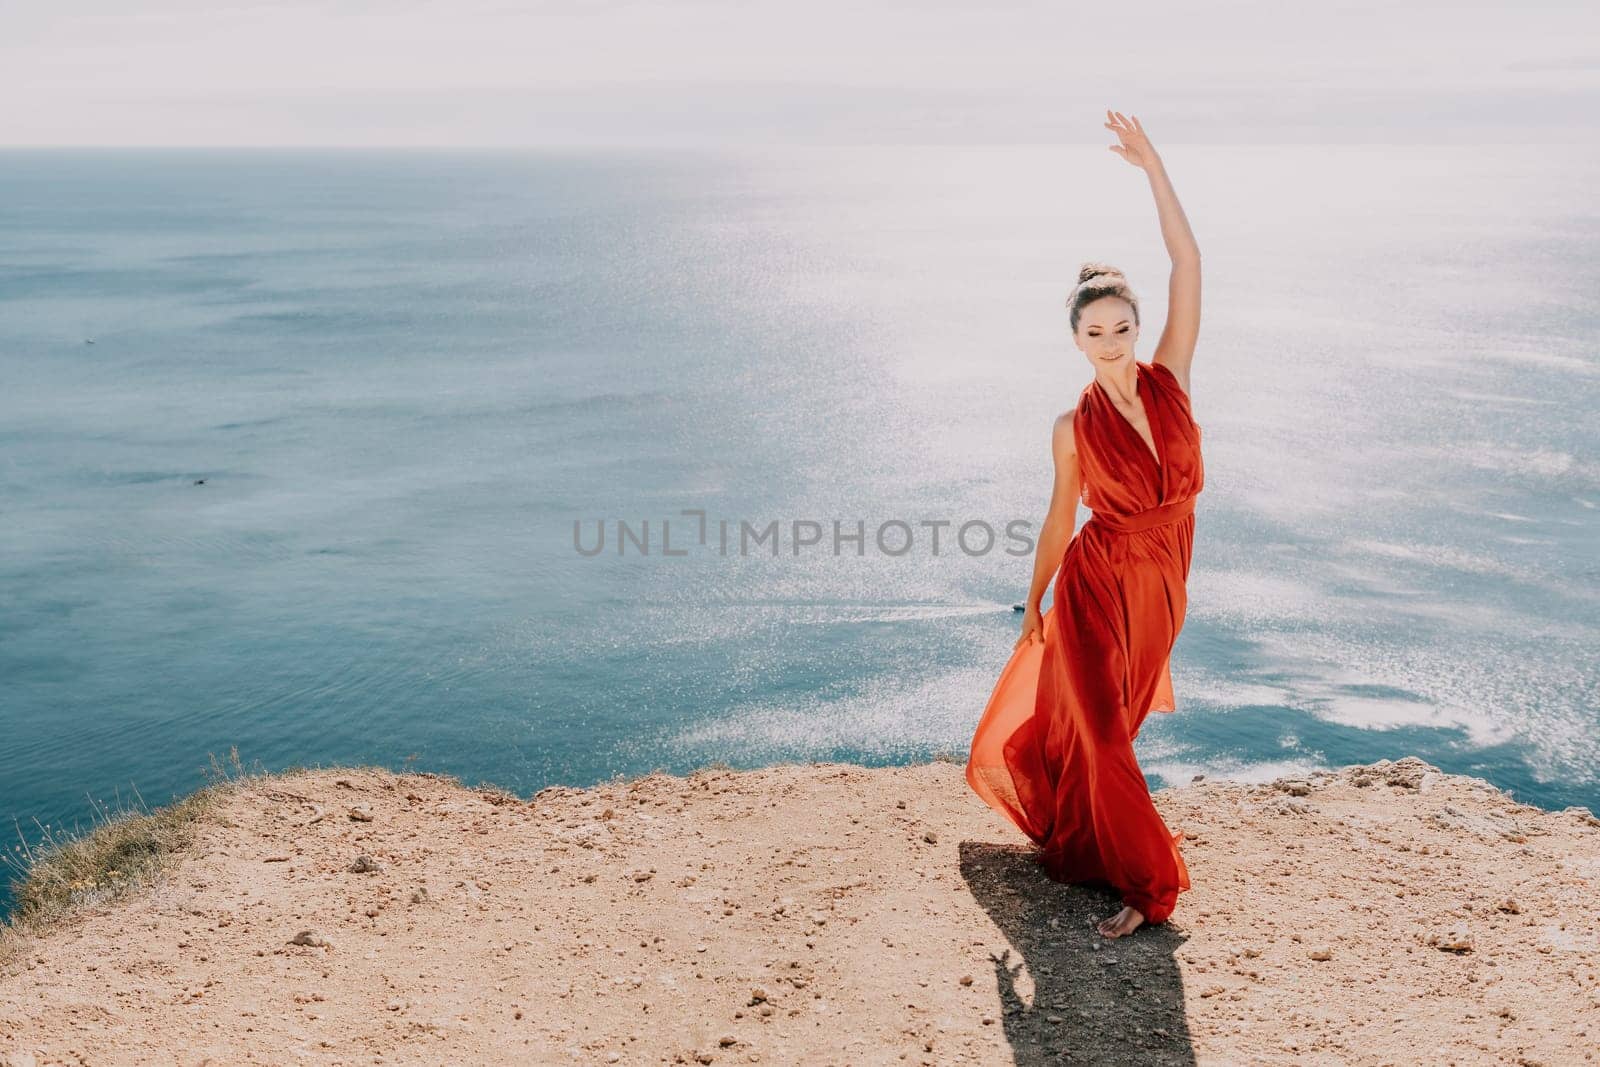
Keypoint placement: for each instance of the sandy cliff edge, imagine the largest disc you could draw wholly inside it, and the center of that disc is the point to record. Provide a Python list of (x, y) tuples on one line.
[(825, 914)]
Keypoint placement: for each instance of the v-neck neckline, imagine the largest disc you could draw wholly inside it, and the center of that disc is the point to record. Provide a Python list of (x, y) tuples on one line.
[(1141, 389)]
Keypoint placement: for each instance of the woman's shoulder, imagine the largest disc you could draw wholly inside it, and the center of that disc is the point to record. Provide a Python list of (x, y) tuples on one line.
[(1167, 376), (1063, 437), (1160, 370)]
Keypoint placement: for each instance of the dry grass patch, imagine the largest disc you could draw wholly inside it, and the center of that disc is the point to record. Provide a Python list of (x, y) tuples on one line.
[(123, 850)]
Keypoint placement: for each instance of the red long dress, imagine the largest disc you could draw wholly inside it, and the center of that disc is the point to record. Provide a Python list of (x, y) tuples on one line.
[(1053, 751)]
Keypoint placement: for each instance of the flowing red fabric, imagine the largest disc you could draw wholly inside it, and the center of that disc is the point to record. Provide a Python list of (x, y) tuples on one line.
[(1053, 751)]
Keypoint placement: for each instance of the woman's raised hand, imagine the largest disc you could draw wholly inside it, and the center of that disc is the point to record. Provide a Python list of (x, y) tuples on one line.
[(1135, 146)]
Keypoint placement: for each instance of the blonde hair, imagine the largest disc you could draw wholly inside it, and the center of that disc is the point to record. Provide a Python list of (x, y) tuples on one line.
[(1096, 280)]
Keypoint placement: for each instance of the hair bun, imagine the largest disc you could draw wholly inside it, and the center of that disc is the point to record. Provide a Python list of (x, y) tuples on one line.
[(1090, 270)]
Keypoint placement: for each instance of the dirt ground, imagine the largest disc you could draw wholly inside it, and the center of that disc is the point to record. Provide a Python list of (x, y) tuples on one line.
[(826, 914)]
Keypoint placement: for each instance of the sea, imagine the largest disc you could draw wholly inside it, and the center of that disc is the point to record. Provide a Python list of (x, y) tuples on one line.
[(552, 466)]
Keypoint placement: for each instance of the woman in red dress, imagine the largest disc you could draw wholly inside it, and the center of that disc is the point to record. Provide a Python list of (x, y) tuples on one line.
[(1053, 751)]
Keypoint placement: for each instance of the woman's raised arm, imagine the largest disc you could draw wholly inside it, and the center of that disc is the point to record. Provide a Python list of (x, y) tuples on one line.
[(1175, 350)]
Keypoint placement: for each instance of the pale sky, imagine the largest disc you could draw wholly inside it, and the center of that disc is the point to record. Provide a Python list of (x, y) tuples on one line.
[(477, 72)]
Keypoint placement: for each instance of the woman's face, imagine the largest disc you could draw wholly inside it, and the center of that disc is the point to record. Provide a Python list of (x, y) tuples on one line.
[(1106, 331)]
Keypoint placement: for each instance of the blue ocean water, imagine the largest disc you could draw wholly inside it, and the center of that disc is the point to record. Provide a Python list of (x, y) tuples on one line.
[(318, 487)]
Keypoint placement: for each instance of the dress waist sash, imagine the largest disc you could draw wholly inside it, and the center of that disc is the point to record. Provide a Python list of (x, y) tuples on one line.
[(1147, 519)]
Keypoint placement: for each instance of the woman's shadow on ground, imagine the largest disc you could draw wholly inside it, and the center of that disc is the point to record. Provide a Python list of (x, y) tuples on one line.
[(1092, 999)]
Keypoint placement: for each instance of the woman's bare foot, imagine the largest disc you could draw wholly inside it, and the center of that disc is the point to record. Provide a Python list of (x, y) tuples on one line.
[(1123, 922)]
